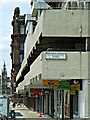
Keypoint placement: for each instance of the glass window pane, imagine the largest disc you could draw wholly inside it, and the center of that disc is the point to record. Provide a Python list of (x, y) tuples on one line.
[(21, 58), (22, 46), (22, 29)]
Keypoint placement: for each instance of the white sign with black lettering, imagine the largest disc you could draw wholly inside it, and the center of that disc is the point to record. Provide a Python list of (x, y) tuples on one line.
[(61, 56)]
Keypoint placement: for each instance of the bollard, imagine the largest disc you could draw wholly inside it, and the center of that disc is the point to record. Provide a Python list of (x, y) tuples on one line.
[(30, 108), (39, 113)]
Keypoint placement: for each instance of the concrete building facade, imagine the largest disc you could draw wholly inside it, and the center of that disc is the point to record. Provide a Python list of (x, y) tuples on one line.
[(54, 75)]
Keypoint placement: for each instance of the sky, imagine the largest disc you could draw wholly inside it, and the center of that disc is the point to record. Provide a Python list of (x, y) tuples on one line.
[(6, 16)]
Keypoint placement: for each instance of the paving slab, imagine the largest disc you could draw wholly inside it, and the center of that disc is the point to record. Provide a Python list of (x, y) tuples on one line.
[(22, 111)]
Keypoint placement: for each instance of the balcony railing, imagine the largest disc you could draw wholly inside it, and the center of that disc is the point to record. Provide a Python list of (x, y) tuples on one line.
[(71, 8)]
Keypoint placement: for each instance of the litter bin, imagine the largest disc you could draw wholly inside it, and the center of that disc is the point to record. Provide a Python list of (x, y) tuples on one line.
[(12, 114)]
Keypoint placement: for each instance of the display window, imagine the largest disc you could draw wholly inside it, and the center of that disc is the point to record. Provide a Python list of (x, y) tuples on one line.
[(66, 104)]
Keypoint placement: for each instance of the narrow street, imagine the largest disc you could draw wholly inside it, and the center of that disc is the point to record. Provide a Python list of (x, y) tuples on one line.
[(45, 60), (22, 111)]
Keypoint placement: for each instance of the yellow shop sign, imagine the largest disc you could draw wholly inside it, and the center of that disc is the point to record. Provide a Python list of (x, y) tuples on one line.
[(75, 87), (72, 92), (50, 83)]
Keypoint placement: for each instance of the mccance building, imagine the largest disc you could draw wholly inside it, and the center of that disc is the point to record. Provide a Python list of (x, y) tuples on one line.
[(55, 74)]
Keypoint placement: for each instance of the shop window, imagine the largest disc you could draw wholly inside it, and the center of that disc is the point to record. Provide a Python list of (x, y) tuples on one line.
[(59, 104), (21, 29), (67, 104)]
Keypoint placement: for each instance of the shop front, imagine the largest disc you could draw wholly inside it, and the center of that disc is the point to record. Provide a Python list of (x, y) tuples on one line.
[(66, 99), (37, 96), (75, 90), (49, 96), (62, 109), (49, 102), (62, 100)]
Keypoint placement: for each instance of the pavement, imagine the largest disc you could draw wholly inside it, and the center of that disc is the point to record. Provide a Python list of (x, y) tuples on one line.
[(22, 111)]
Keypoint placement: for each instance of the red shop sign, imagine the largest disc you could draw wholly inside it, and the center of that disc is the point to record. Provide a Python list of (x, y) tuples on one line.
[(35, 90), (34, 94)]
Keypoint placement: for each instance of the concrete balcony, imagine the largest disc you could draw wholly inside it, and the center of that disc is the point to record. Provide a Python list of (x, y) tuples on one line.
[(23, 66), (57, 66), (54, 29), (60, 23)]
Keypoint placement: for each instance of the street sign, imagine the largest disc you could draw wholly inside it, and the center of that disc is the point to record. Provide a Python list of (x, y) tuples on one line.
[(56, 56)]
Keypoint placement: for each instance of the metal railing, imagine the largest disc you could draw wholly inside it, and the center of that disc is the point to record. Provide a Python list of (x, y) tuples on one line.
[(71, 8)]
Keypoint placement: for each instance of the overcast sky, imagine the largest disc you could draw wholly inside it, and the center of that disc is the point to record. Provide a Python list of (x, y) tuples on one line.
[(6, 15)]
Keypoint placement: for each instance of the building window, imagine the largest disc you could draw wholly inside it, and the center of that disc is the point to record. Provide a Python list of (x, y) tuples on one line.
[(22, 29), (21, 58), (22, 46)]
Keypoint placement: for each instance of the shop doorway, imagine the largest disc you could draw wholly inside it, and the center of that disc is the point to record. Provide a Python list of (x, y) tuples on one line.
[(63, 104)]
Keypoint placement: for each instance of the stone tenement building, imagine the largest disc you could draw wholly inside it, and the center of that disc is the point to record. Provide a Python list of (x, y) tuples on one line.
[(17, 45)]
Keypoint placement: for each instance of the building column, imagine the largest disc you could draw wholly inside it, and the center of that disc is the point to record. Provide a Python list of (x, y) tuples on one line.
[(83, 100), (89, 98), (81, 105)]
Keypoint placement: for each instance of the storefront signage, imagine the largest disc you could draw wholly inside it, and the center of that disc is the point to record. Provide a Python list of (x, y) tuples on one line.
[(76, 84), (68, 85), (75, 87), (72, 92), (61, 56), (46, 91), (35, 91), (63, 85), (50, 83)]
